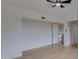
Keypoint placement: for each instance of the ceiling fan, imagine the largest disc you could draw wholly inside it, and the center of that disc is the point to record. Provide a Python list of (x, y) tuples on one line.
[(59, 2)]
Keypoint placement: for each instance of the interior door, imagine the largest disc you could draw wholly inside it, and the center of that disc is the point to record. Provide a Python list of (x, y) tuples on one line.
[(76, 33), (55, 33)]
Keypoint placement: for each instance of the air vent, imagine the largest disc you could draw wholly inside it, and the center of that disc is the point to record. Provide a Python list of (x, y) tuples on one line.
[(43, 17)]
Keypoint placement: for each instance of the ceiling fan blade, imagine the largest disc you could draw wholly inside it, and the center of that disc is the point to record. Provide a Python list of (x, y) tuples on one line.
[(50, 1), (58, 1), (54, 6), (61, 6), (68, 1)]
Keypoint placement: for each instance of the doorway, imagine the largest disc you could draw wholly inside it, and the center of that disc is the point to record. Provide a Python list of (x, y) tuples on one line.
[(58, 34), (61, 34)]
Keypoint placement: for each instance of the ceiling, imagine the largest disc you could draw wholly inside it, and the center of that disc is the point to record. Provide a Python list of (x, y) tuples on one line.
[(70, 12)]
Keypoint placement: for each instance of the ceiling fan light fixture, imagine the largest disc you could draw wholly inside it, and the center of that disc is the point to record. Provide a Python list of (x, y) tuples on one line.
[(58, 4)]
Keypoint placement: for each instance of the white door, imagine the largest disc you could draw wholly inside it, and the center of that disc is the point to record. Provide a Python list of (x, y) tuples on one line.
[(55, 33), (76, 33)]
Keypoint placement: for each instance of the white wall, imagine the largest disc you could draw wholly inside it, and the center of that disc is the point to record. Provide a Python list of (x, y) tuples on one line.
[(12, 43), (36, 33), (67, 34)]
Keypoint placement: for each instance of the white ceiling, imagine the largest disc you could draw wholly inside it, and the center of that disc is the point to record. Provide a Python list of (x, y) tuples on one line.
[(70, 12)]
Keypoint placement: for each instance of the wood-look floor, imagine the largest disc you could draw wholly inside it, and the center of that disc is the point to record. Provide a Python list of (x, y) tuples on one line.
[(55, 52)]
